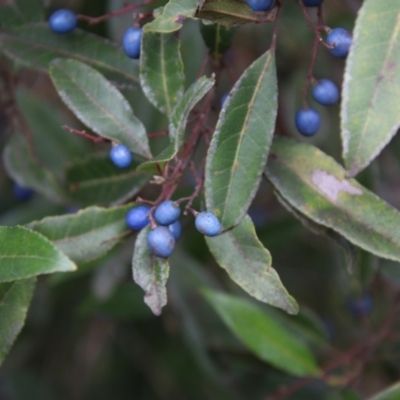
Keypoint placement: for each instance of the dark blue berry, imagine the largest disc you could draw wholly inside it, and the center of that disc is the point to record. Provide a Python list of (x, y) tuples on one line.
[(260, 5), (308, 121), (361, 306), (137, 218), (325, 92), (161, 242), (22, 193), (131, 42), (176, 230), (312, 3), (208, 224), (62, 21), (340, 39), (167, 213), (223, 99), (121, 156)]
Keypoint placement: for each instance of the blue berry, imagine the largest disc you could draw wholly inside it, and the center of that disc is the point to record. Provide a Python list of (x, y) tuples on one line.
[(325, 92), (121, 156), (260, 5), (361, 306), (312, 3), (223, 99), (63, 21), (161, 242), (131, 42), (208, 224), (176, 230), (22, 193), (340, 39), (167, 213), (137, 218), (308, 121)]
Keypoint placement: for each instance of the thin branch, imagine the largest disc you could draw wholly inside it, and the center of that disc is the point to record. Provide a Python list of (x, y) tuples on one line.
[(95, 139)]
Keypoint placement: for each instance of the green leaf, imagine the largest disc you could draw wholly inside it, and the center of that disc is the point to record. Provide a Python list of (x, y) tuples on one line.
[(218, 38), (248, 263), (25, 169), (239, 147), (150, 273), (178, 122), (393, 393), (86, 235), (96, 180), (370, 114), (36, 46), (266, 338), (19, 12), (161, 70), (315, 185), (172, 16), (233, 12), (24, 254), (98, 104), (15, 298)]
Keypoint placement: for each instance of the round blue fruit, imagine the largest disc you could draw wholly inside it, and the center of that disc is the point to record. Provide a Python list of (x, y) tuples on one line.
[(308, 121), (208, 224), (22, 193), (161, 242), (137, 218), (325, 92), (312, 3), (121, 156), (361, 306), (63, 21), (176, 230), (131, 42), (167, 213), (260, 5), (340, 39)]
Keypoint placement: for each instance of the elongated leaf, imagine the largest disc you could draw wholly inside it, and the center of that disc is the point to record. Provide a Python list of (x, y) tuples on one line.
[(96, 180), (150, 273), (248, 264), (19, 12), (315, 185), (218, 38), (98, 104), (239, 147), (178, 122), (172, 16), (36, 46), (86, 235), (260, 332), (15, 298), (232, 12), (24, 254), (371, 108), (393, 393), (161, 70), (25, 169)]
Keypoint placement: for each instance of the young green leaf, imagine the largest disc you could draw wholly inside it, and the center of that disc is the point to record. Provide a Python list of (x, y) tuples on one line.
[(150, 273), (96, 180), (392, 393), (263, 335), (20, 12), (98, 104), (218, 38), (248, 263), (36, 46), (315, 185), (86, 235), (370, 114), (161, 70), (178, 122), (239, 147), (15, 298), (24, 254)]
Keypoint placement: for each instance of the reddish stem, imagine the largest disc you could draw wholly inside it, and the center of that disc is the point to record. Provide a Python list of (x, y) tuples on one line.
[(95, 139)]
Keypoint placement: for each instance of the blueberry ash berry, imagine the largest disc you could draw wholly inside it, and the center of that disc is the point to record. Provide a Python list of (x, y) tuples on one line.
[(22, 193), (312, 3), (325, 92), (161, 242), (137, 218), (260, 5), (131, 42), (167, 213), (176, 230), (308, 121), (207, 224), (340, 40), (121, 156), (63, 21)]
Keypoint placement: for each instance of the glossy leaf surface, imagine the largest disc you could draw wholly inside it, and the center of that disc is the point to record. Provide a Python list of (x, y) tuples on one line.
[(24, 254), (249, 264), (370, 109), (239, 147), (263, 335), (98, 104)]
